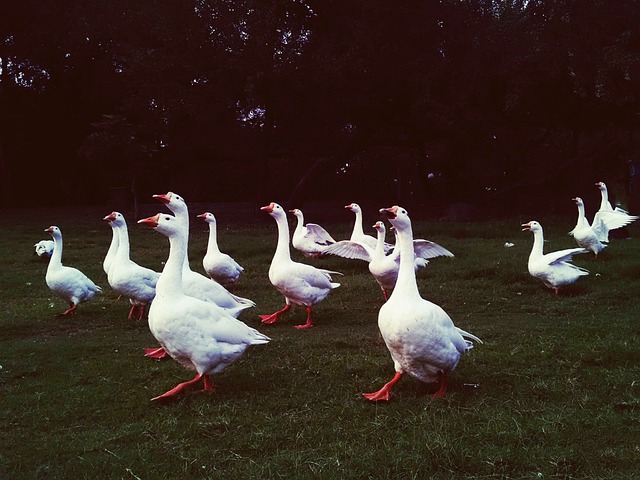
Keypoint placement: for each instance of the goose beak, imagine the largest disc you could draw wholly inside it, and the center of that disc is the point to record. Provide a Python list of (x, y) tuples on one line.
[(389, 213), (348, 207), (526, 226), (202, 215), (49, 230), (268, 208), (151, 221), (110, 218), (163, 197), (292, 211)]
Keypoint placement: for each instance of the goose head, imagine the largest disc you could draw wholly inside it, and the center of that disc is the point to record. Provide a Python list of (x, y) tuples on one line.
[(173, 201), (532, 226), (578, 201), (601, 186), (354, 207), (398, 216), (379, 226), (208, 217), (115, 218), (54, 231), (296, 212), (274, 210), (163, 223)]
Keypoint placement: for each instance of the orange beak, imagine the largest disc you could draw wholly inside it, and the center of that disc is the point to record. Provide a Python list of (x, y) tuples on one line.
[(151, 221), (164, 197), (268, 208)]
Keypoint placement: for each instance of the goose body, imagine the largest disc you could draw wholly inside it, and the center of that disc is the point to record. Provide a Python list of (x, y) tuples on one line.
[(608, 218), (219, 266), (420, 336), (553, 269), (44, 248), (583, 233), (300, 284), (127, 277), (67, 282), (196, 334), (311, 239)]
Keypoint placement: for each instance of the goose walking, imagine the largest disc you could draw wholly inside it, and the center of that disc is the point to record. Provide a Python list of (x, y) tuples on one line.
[(194, 333), (219, 266), (421, 337), (553, 269), (300, 284), (125, 276), (311, 239), (67, 282)]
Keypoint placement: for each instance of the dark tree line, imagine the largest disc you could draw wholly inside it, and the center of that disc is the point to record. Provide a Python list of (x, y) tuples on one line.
[(501, 103)]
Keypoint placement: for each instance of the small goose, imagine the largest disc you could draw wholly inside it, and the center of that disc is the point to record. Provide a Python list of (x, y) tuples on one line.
[(585, 235), (219, 266), (67, 282), (608, 218), (553, 269), (311, 239)]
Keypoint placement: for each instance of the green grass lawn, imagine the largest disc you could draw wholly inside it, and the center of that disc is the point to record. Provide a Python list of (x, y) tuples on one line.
[(552, 393)]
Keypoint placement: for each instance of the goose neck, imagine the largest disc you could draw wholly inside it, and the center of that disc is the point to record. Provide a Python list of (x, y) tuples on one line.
[(213, 239), (170, 282), (406, 283), (357, 226), (56, 256), (538, 243), (582, 219), (282, 248), (123, 243)]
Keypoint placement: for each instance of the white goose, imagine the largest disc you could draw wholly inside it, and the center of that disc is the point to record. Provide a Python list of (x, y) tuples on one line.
[(358, 235), (196, 334), (420, 336), (609, 218), (311, 239), (196, 284), (553, 269), (126, 277), (44, 248), (300, 284), (384, 268), (111, 252), (67, 282), (219, 266), (584, 234)]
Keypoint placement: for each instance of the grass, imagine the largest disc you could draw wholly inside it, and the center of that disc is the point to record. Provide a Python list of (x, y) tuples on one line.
[(552, 393)]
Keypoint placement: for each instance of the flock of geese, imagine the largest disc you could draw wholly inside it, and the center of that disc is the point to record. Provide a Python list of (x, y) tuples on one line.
[(194, 317), (554, 269)]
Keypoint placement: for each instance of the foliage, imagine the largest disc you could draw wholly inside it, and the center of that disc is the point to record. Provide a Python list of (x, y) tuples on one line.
[(552, 392)]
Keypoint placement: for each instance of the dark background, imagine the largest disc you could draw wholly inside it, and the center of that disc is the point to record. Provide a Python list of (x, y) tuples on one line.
[(500, 106)]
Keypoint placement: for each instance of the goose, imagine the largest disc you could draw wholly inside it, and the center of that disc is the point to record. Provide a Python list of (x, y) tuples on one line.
[(196, 284), (127, 277), (111, 251), (311, 239), (609, 218), (420, 336), (553, 269), (196, 334), (584, 233), (219, 266), (67, 282), (44, 248), (358, 235), (300, 284), (384, 268)]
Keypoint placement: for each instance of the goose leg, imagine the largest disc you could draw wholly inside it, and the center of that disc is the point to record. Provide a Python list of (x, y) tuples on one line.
[(71, 310), (273, 318), (132, 312), (156, 353), (141, 310), (208, 385), (178, 388), (385, 392), (442, 381), (309, 324)]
